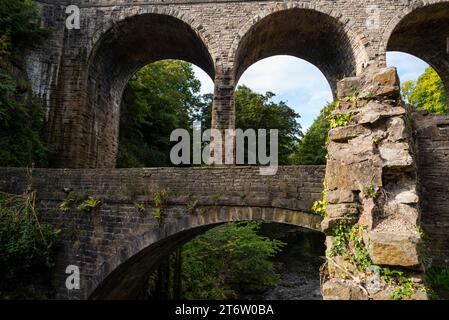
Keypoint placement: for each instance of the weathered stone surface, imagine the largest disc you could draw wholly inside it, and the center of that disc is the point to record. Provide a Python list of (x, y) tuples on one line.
[(356, 151), (374, 111), (343, 134), (338, 289), (407, 197), (328, 224), (396, 155), (385, 83), (340, 196), (347, 87), (355, 176), (396, 129), (368, 210), (342, 210), (432, 133), (392, 248)]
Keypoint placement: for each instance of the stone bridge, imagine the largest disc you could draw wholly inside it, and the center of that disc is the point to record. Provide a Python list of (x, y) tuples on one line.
[(117, 244), (386, 169)]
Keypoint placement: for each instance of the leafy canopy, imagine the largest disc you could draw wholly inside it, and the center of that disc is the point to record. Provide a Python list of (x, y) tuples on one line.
[(228, 259), (426, 93), (159, 99), (311, 150)]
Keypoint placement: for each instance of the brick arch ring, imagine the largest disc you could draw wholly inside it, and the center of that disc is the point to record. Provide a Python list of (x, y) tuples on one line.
[(129, 12), (123, 270), (361, 52)]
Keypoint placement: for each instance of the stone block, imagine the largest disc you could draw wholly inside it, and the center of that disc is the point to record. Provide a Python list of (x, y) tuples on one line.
[(354, 176), (347, 87), (393, 248), (396, 155), (343, 134), (328, 224), (342, 210), (338, 289), (340, 196), (374, 111)]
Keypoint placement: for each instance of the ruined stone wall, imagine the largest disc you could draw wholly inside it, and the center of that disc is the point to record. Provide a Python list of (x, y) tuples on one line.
[(117, 243), (432, 135), (372, 213)]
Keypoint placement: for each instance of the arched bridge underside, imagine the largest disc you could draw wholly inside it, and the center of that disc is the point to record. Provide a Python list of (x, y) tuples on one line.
[(118, 243), (80, 74)]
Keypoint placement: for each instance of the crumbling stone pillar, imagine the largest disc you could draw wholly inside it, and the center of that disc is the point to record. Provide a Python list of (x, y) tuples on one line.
[(372, 204)]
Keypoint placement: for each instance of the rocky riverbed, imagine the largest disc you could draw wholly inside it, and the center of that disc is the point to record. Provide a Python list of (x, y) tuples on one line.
[(298, 264)]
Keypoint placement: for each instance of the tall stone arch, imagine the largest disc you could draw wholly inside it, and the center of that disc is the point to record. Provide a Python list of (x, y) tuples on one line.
[(90, 110), (318, 35), (422, 30)]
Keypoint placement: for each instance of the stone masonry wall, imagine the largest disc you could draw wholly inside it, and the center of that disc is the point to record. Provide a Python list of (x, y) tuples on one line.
[(117, 243), (80, 74), (432, 134)]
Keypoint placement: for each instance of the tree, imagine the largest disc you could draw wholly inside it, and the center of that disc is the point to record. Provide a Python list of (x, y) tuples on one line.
[(19, 27), (311, 150), (21, 119), (228, 260), (159, 99), (427, 93), (258, 111)]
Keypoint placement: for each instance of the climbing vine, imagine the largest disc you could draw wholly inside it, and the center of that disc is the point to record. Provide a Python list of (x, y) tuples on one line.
[(347, 242)]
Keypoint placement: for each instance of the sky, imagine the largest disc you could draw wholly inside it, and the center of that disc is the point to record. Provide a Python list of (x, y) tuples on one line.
[(301, 85)]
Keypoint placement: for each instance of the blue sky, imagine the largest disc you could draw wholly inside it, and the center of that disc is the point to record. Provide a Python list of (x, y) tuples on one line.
[(301, 84)]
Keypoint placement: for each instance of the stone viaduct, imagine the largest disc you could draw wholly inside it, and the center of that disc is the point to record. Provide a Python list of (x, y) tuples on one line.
[(383, 148)]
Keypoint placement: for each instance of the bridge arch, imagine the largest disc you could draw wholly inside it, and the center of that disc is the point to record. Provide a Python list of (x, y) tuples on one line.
[(125, 275), (301, 31), (124, 48), (422, 30)]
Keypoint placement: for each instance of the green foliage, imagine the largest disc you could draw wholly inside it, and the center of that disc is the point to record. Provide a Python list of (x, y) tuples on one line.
[(89, 205), (21, 119), (311, 150), (192, 205), (21, 127), (19, 26), (319, 206), (348, 243), (140, 207), (27, 247), (404, 286), (259, 111), (339, 120), (438, 277), (66, 205), (370, 192), (160, 98), (228, 259), (159, 198), (427, 93)]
